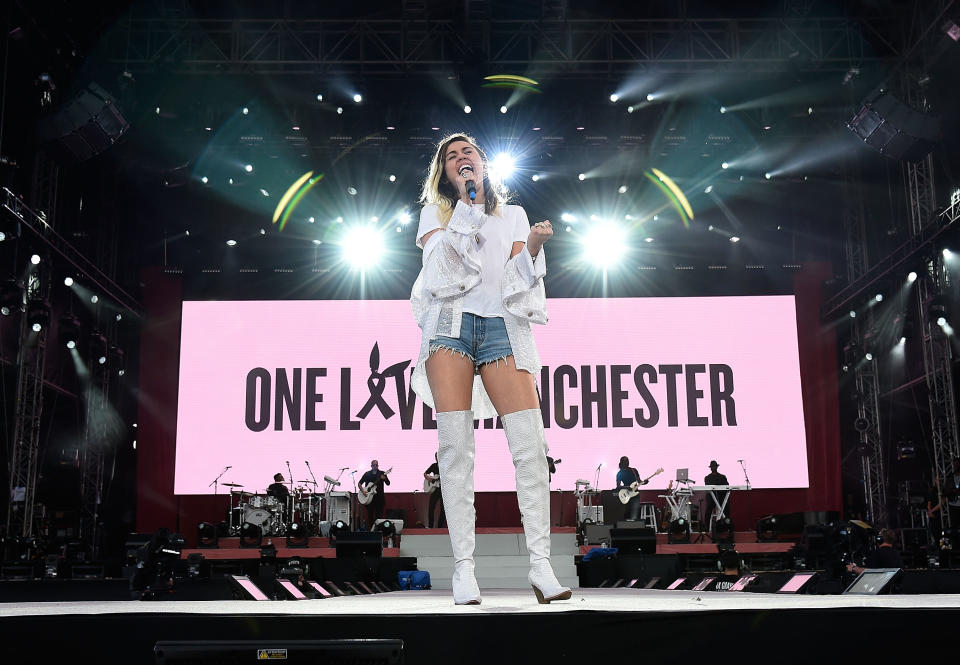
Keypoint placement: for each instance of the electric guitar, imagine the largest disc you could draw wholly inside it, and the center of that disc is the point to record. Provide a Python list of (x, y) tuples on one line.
[(367, 490), (431, 484), (628, 493)]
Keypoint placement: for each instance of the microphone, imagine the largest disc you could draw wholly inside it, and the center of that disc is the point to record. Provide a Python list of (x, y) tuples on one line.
[(740, 460), (471, 186), (307, 462), (599, 465), (229, 467), (345, 468)]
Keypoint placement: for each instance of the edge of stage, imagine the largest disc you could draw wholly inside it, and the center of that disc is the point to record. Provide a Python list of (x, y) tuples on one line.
[(665, 626)]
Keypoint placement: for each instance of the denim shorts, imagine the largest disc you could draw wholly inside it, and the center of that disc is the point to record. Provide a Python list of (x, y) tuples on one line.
[(482, 339)]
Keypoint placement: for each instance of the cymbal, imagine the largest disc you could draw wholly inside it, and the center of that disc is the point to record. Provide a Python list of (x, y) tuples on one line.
[(231, 484), (306, 482)]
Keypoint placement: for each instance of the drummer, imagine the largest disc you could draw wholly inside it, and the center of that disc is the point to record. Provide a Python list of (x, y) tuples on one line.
[(278, 490)]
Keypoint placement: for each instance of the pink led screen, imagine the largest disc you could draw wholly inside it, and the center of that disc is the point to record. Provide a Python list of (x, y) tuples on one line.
[(670, 382)]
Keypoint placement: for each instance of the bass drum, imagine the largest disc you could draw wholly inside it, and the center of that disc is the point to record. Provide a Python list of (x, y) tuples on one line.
[(260, 517)]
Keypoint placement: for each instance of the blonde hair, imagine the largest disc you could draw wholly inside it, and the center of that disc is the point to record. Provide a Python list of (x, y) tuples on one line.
[(439, 191)]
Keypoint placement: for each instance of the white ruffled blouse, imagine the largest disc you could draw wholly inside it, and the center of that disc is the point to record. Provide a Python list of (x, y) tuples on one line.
[(451, 267)]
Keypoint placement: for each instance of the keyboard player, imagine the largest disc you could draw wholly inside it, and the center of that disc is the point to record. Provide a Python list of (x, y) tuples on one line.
[(715, 478)]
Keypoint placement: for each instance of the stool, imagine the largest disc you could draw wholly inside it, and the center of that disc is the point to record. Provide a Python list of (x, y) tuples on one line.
[(648, 514)]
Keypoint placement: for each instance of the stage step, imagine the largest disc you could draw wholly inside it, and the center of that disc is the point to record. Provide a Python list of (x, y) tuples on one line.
[(502, 561)]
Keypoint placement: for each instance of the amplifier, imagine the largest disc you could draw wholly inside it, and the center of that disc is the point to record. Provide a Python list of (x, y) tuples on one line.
[(594, 513)]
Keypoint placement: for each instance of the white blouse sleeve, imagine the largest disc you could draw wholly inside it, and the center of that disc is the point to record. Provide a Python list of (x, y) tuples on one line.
[(522, 286), (451, 260)]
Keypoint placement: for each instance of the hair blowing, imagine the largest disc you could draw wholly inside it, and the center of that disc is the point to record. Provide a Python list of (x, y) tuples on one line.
[(439, 191)]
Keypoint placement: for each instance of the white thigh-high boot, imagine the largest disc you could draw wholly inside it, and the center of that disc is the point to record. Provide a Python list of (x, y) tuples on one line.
[(455, 459), (528, 446)]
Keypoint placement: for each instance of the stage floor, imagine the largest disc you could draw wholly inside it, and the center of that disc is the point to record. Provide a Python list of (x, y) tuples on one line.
[(509, 627)]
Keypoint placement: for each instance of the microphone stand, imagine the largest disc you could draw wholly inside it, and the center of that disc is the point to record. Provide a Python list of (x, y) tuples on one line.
[(216, 480), (353, 501), (747, 478)]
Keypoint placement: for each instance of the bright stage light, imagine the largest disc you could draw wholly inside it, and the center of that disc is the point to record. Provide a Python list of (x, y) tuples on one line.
[(630, 109), (339, 110), (317, 242), (581, 177), (467, 109), (94, 299), (604, 244), (614, 98), (311, 219), (501, 168), (246, 111), (404, 217), (947, 254), (358, 98), (622, 189), (535, 177), (878, 297), (319, 97), (68, 281), (248, 168), (648, 239), (204, 180), (567, 217), (912, 277), (941, 321), (734, 238), (36, 327), (723, 109), (392, 178), (362, 246), (650, 97), (767, 175), (503, 109), (708, 189), (725, 166), (35, 259), (903, 340), (853, 314), (231, 243), (264, 192), (869, 356)]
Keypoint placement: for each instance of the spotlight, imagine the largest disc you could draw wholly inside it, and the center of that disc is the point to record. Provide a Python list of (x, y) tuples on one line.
[(467, 109), (311, 219), (206, 535), (912, 277), (204, 180), (869, 356), (94, 298), (502, 166), (404, 217), (878, 297), (503, 109), (231, 243), (631, 109), (723, 109), (11, 297), (723, 530), (614, 98), (650, 97), (622, 189), (339, 110), (853, 314), (362, 247), (648, 239), (246, 111), (581, 177), (3, 236), (392, 178), (264, 192), (903, 340), (358, 98), (337, 529), (567, 217), (947, 254), (535, 177), (70, 331), (941, 321), (679, 531), (734, 238), (725, 166), (297, 535), (250, 535), (767, 175), (35, 259), (352, 191), (708, 189), (604, 244), (317, 242), (767, 529), (98, 347), (68, 281), (248, 168)]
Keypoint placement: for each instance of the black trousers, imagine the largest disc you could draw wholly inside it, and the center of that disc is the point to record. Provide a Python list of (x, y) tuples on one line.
[(631, 511), (435, 498), (375, 509)]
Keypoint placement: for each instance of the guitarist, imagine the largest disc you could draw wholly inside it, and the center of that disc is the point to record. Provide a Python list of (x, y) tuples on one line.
[(432, 476), (377, 506), (626, 476)]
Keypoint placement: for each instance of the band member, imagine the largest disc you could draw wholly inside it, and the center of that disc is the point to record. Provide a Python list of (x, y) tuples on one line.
[(278, 489), (480, 289), (552, 465), (432, 474), (715, 478), (378, 504), (626, 476)]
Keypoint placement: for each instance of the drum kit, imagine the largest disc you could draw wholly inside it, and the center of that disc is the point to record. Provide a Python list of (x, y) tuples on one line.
[(274, 515)]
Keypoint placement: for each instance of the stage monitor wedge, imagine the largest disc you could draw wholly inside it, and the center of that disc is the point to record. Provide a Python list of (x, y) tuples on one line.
[(873, 581)]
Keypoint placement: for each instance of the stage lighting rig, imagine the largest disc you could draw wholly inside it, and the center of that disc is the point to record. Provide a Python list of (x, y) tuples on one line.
[(38, 314), (70, 331), (11, 297), (250, 535), (206, 535), (723, 530), (297, 535), (678, 531)]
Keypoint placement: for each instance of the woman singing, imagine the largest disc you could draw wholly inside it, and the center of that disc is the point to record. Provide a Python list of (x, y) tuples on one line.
[(480, 289)]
